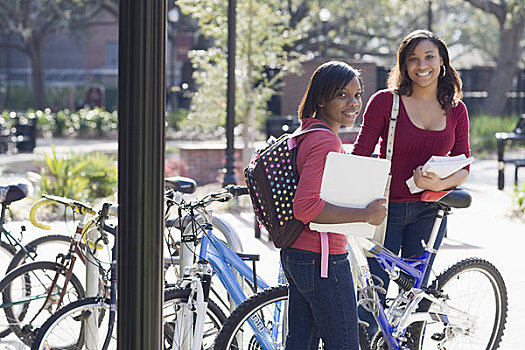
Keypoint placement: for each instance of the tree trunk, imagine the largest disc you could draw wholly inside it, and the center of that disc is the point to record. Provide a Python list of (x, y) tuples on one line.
[(35, 53), (506, 67)]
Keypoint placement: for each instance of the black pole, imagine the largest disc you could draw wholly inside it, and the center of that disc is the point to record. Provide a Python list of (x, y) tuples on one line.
[(229, 176), (430, 15), (141, 108)]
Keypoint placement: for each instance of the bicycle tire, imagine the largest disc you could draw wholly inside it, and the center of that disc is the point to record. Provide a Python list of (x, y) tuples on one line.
[(37, 245), (177, 298), (23, 292), (64, 327), (228, 338), (7, 252), (236, 323), (471, 283), (78, 310)]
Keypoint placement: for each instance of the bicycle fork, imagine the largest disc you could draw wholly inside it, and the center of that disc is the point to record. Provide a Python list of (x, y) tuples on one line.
[(189, 326)]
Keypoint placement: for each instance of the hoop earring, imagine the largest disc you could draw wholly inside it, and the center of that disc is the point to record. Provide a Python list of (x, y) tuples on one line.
[(444, 71)]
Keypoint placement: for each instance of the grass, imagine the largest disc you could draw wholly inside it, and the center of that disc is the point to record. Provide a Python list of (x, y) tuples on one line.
[(483, 128)]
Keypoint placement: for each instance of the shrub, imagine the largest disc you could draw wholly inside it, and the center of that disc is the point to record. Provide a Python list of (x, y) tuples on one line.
[(101, 172), (80, 176), (85, 122), (519, 201), (174, 119), (62, 177), (483, 129), (175, 167)]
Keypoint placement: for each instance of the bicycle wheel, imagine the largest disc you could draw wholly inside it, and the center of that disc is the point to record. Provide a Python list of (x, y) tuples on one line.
[(44, 248), (24, 291), (473, 286), (265, 310), (7, 252), (175, 301), (67, 329), (6, 255)]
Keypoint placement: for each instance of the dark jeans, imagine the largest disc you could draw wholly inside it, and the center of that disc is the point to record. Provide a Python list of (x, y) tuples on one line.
[(408, 223), (320, 307)]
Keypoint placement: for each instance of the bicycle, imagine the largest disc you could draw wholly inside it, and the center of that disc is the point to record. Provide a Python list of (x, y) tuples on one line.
[(179, 254), (88, 323), (191, 318), (24, 288), (32, 292), (11, 247), (465, 307)]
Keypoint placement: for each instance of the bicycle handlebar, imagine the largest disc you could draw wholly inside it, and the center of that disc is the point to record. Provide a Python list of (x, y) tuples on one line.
[(77, 207)]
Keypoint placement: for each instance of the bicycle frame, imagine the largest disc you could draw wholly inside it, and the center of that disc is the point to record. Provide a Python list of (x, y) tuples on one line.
[(12, 241), (392, 324), (224, 263), (412, 271)]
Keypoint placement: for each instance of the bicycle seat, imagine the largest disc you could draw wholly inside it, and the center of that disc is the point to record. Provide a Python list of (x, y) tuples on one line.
[(181, 184), (14, 192), (456, 198)]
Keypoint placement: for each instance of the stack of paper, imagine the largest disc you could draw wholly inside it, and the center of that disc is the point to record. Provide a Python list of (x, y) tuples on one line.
[(352, 181), (442, 166)]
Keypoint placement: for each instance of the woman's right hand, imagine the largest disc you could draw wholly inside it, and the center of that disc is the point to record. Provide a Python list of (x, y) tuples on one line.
[(376, 212)]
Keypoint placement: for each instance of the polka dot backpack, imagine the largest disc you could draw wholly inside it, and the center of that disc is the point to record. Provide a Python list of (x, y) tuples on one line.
[(271, 178)]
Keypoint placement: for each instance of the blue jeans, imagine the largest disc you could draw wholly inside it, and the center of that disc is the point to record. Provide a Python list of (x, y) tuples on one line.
[(408, 223), (320, 308)]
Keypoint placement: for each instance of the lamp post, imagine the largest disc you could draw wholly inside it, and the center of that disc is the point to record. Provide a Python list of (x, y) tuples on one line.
[(429, 15), (324, 16), (173, 18), (229, 176)]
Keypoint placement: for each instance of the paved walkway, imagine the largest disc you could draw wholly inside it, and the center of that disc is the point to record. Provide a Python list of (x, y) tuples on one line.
[(482, 230)]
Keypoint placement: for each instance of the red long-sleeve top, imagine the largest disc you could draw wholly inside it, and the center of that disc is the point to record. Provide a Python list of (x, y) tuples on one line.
[(311, 156), (412, 146)]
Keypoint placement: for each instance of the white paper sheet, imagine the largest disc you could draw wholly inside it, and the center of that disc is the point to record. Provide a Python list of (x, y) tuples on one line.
[(352, 181), (442, 166)]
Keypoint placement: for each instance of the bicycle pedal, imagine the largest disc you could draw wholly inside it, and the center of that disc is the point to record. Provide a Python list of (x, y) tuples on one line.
[(438, 336)]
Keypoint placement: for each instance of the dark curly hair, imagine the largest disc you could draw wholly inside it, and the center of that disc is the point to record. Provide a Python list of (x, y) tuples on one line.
[(450, 86)]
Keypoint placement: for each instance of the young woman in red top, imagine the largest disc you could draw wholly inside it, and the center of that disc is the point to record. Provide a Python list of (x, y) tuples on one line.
[(324, 308), (432, 120)]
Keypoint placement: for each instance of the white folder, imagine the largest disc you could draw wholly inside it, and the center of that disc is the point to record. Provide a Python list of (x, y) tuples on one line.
[(352, 181)]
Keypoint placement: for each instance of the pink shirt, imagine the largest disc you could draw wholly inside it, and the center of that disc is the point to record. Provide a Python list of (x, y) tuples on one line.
[(311, 155), (412, 146)]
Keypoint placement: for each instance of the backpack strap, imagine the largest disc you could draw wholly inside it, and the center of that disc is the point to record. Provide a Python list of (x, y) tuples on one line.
[(292, 141), (325, 251)]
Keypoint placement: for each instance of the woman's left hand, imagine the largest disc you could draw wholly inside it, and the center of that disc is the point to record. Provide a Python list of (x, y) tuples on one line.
[(427, 180)]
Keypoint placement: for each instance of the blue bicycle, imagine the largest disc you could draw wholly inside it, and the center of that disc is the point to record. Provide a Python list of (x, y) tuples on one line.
[(191, 318), (464, 308)]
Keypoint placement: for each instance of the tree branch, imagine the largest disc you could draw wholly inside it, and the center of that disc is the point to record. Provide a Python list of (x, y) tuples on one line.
[(491, 7), (111, 7)]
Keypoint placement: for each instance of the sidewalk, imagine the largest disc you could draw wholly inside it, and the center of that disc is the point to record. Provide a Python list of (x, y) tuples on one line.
[(482, 230)]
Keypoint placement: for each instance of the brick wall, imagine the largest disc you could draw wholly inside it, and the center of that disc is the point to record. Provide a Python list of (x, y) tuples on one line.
[(205, 165)]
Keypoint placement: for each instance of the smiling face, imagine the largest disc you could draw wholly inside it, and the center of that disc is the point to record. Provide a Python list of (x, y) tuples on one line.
[(424, 65), (344, 108)]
